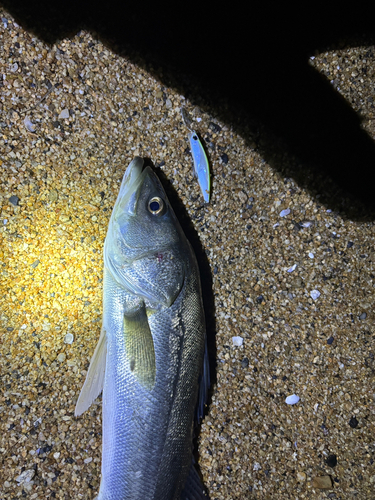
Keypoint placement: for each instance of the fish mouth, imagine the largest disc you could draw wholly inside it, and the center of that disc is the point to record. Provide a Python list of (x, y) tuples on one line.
[(131, 177), (128, 195)]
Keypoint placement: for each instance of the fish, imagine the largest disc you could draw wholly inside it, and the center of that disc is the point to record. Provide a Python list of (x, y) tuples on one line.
[(151, 359), (200, 160)]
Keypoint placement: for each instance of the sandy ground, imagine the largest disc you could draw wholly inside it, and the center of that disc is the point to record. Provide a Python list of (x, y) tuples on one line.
[(293, 279)]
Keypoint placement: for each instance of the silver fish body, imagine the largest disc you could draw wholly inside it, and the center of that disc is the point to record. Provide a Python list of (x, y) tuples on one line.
[(152, 347)]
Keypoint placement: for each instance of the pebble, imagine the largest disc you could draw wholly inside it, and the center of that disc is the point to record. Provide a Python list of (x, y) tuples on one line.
[(53, 195), (68, 339), (301, 476), (292, 400), (331, 461), (353, 422), (224, 158), (245, 363), (237, 341), (64, 114), (322, 482), (363, 315), (26, 476), (314, 294), (61, 357), (14, 200), (285, 212), (64, 218), (30, 126)]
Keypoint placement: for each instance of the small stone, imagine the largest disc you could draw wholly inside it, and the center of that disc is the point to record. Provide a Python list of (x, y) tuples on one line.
[(292, 400), (330, 340), (237, 341), (242, 197), (88, 460), (314, 294), (64, 114), (311, 255), (14, 200), (322, 482), (68, 339), (363, 316), (53, 195), (26, 476), (35, 264), (56, 455), (285, 212), (91, 208), (224, 158), (168, 103), (291, 269), (6, 484), (301, 477), (353, 422), (331, 461), (61, 357), (30, 126), (257, 466), (245, 363), (64, 218), (41, 436)]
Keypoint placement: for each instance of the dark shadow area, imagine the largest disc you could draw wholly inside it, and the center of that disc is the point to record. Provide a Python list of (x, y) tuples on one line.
[(250, 69)]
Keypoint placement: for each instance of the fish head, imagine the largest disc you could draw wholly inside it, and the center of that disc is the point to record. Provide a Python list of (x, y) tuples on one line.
[(145, 247)]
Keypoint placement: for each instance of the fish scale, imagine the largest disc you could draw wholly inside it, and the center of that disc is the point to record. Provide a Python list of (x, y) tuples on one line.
[(149, 358)]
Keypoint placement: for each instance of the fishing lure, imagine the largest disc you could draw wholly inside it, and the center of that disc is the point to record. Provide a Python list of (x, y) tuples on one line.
[(201, 165)]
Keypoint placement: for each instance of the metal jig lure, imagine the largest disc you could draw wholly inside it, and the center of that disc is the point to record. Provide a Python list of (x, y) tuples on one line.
[(201, 165)]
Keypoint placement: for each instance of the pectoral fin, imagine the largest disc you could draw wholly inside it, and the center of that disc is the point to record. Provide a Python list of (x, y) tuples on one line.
[(139, 347), (93, 385)]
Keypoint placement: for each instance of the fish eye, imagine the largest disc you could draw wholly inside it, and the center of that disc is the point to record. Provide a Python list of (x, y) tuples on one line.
[(195, 137), (156, 205)]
